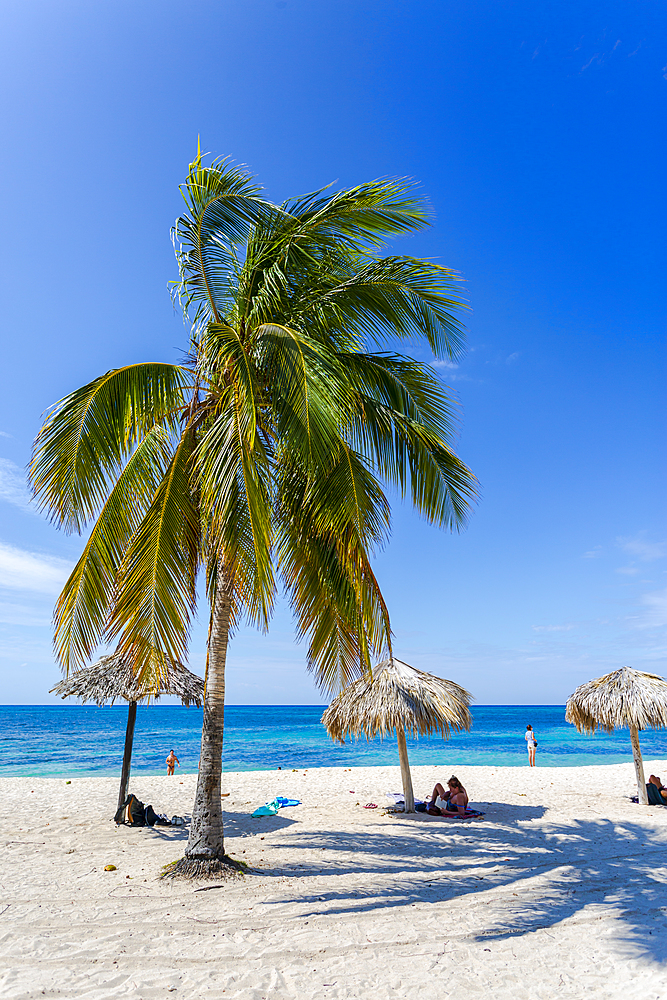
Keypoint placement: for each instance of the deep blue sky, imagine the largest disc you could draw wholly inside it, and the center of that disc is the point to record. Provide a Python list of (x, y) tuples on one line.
[(538, 132)]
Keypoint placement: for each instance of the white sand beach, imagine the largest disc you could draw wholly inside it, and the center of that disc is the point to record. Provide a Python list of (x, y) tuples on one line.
[(560, 891)]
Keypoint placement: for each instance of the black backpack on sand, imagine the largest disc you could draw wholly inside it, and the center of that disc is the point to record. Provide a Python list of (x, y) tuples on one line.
[(132, 812)]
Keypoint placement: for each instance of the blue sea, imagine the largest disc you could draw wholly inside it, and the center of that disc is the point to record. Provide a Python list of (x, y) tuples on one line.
[(76, 740)]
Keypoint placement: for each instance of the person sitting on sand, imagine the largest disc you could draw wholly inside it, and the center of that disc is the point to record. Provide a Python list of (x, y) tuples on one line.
[(170, 761), (450, 803), (653, 780)]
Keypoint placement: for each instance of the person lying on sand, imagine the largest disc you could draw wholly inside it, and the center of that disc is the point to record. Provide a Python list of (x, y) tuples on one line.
[(653, 780), (450, 803)]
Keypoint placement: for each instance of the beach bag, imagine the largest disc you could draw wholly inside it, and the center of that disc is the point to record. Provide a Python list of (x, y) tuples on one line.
[(150, 816), (133, 812)]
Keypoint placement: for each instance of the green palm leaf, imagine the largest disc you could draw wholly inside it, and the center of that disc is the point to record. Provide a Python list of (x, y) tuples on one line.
[(84, 605), (156, 587), (223, 202), (81, 448)]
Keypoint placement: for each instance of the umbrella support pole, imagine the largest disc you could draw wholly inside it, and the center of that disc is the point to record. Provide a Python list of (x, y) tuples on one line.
[(127, 755), (405, 772), (639, 766)]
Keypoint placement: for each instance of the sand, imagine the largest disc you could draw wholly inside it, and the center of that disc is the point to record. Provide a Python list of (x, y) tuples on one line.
[(560, 891)]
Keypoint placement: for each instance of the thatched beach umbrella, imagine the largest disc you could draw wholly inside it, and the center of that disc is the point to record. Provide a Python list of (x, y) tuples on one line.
[(113, 677), (623, 698), (398, 697)]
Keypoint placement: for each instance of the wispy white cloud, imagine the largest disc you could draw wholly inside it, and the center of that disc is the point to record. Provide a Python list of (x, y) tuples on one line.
[(24, 615), (21, 570), (643, 549), (593, 553), (552, 628), (628, 570), (451, 369), (591, 61), (13, 488), (511, 358), (655, 605), (4, 434)]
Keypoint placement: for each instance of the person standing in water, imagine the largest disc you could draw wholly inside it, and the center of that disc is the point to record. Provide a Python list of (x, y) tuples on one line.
[(170, 761), (531, 742)]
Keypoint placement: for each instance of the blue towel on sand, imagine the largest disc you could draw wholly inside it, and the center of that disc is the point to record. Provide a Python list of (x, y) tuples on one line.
[(272, 807)]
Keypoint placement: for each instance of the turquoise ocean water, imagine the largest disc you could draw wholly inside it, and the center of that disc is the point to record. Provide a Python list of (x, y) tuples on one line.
[(75, 740)]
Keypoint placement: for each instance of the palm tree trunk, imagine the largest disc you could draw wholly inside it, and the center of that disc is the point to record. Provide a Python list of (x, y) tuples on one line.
[(639, 766), (127, 754), (206, 839), (405, 772)]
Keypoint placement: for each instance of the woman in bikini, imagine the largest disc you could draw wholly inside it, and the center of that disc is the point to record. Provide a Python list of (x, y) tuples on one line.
[(450, 803)]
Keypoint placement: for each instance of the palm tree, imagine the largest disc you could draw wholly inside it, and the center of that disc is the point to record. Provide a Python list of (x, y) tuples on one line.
[(262, 455)]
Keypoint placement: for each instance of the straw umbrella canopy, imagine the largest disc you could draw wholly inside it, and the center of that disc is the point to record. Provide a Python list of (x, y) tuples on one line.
[(397, 697), (624, 698), (114, 677)]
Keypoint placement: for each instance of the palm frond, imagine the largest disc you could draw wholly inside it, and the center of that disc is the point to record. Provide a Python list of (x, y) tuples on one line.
[(326, 526), (81, 447), (156, 590), (307, 391), (405, 425), (223, 202), (395, 297), (233, 471), (83, 608), (337, 604), (363, 215)]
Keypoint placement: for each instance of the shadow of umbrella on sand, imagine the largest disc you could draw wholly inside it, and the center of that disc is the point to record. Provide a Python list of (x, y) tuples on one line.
[(113, 677), (398, 697), (624, 698)]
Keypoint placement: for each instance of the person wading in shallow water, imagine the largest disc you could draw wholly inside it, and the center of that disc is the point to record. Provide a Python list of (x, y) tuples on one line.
[(171, 760), (531, 743)]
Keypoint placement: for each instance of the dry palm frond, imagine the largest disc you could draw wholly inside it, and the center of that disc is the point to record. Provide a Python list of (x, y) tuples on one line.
[(398, 697), (626, 697), (114, 677)]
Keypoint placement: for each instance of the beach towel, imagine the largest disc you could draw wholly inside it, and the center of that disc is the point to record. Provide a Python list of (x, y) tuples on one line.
[(272, 807), (268, 809), (398, 799), (468, 814)]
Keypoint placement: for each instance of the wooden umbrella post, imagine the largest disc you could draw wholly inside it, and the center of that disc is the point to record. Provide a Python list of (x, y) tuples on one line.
[(639, 765), (127, 755), (405, 771)]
